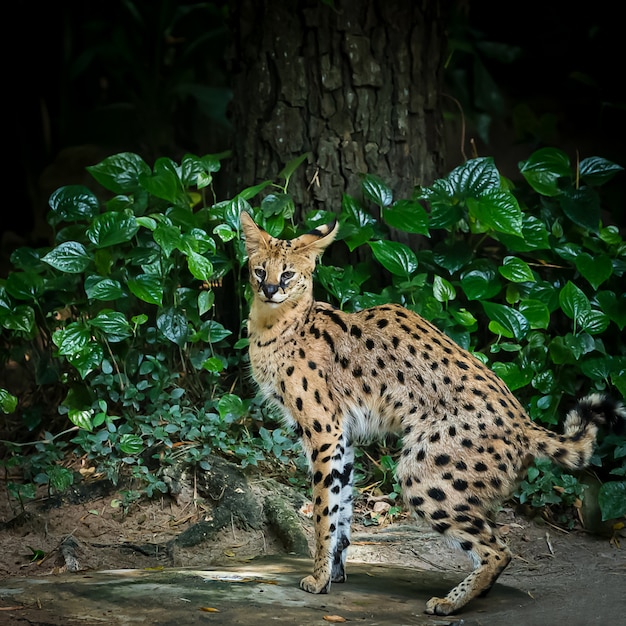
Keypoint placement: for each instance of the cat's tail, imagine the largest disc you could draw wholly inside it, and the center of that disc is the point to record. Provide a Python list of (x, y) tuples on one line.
[(574, 448)]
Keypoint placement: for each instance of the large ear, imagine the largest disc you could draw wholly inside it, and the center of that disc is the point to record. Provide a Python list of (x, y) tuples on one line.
[(255, 236), (316, 241)]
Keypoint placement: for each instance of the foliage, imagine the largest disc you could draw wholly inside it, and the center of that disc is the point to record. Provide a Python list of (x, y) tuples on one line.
[(136, 311)]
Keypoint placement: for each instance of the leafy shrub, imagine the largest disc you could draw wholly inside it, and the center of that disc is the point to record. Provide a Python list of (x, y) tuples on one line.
[(135, 313)]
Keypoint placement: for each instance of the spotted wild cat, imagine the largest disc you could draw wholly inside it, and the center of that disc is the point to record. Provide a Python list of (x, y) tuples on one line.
[(340, 377)]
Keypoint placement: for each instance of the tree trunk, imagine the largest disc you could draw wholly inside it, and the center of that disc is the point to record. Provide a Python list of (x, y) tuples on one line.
[(355, 84)]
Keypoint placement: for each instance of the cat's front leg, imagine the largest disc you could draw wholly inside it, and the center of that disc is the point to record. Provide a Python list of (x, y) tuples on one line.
[(344, 521), (327, 455)]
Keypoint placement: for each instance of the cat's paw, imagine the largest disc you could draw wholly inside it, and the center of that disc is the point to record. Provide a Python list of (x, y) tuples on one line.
[(439, 606), (313, 585)]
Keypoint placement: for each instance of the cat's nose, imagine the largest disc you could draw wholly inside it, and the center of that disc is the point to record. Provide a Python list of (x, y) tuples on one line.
[(269, 290)]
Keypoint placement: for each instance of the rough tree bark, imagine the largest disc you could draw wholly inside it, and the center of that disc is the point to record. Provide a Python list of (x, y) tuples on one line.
[(355, 84)]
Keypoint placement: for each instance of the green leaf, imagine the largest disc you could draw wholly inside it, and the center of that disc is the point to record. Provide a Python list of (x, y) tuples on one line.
[(278, 204), (72, 203), (598, 369), (168, 237), (480, 281), (113, 324), (205, 301), (21, 318), (230, 407), (595, 270), (199, 266), (110, 229), (165, 182), (516, 270), (106, 289), (593, 322), (544, 169), (173, 324), (376, 190), (147, 222), (612, 500), (573, 301), (81, 418), (569, 348), (395, 257), (70, 257), (533, 236), (614, 307), (512, 321), (582, 206), (120, 173), (212, 331), (475, 178), (131, 444), (512, 375), (443, 289), (88, 359), (498, 210), (224, 232), (292, 166), (72, 339), (147, 287), (408, 216), (8, 402), (536, 312), (453, 255), (596, 171), (213, 364)]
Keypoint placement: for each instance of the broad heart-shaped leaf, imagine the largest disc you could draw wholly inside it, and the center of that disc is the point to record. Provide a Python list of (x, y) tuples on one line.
[(516, 270), (113, 324), (70, 257), (536, 312), (120, 173), (112, 228), (199, 266), (395, 257), (8, 402), (443, 289), (596, 171), (24, 285), (475, 178), (352, 212), (81, 418), (165, 182), (595, 270), (614, 307), (72, 203), (480, 281), (598, 369), (72, 339), (407, 215), (168, 237), (593, 322), (21, 318), (173, 324), (544, 169), (582, 206), (512, 321), (278, 204), (513, 376), (147, 287), (497, 209), (376, 190), (573, 301), (106, 289), (131, 444), (533, 236), (612, 500)]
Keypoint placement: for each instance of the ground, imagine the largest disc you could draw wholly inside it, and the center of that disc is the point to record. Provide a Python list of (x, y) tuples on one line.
[(103, 535)]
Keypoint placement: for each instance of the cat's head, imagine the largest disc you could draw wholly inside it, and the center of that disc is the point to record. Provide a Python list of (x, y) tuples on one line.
[(281, 270)]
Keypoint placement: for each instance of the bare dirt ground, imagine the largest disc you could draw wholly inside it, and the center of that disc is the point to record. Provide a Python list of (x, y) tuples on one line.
[(102, 535)]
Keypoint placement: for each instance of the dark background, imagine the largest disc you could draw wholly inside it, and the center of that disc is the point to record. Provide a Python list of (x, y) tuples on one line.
[(87, 79)]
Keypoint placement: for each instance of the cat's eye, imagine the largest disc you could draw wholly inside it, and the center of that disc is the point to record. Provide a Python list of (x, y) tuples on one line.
[(259, 272), (287, 275)]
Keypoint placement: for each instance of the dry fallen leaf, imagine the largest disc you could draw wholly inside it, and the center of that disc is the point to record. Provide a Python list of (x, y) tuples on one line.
[(209, 609), (334, 619)]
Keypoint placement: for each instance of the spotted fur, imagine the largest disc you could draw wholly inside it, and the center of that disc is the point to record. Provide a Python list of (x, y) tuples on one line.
[(340, 377)]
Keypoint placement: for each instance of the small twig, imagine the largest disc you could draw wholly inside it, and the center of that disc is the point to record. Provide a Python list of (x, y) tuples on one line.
[(549, 543)]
